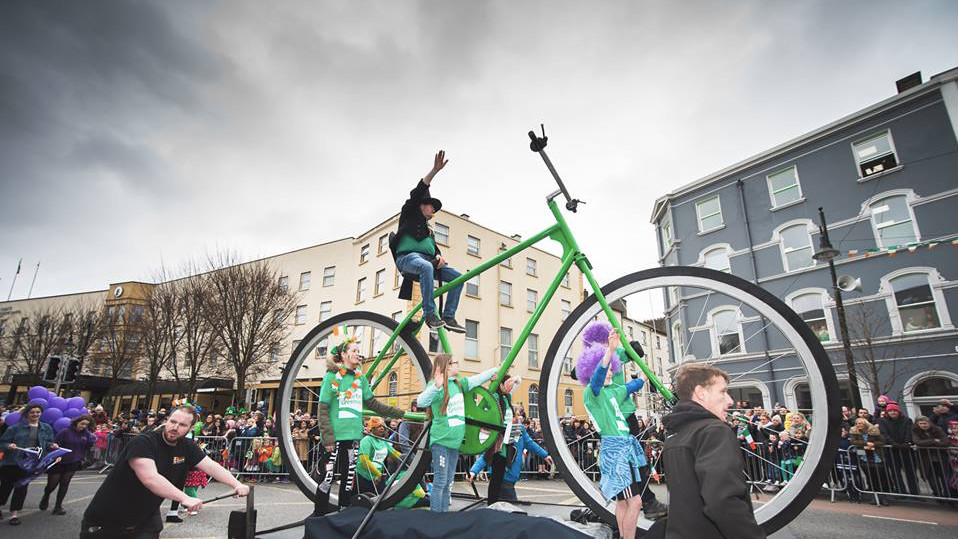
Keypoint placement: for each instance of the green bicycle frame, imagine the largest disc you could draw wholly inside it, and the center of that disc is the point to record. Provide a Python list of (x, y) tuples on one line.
[(560, 233)]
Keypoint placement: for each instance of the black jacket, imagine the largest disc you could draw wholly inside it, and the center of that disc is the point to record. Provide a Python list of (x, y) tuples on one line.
[(411, 221), (704, 469), (897, 432)]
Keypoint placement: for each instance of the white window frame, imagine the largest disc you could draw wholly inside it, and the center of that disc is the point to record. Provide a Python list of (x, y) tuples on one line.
[(935, 281), (678, 345), (325, 309), (771, 192), (532, 347), (300, 316), (566, 280), (568, 401), (699, 216), (383, 244), (364, 254), (778, 238), (533, 401), (504, 348), (444, 235), (283, 282), (329, 276), (910, 199), (532, 267), (507, 263), (305, 280), (532, 300), (827, 303), (472, 282), (473, 245), (566, 307), (505, 292), (869, 138), (667, 236), (380, 283), (361, 290), (474, 341), (393, 387), (726, 248), (713, 333)]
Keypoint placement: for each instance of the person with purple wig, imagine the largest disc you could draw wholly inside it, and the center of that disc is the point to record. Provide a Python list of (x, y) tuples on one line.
[(620, 455)]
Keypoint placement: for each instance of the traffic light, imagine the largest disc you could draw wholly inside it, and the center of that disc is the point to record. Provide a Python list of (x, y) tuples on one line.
[(52, 369), (73, 369)]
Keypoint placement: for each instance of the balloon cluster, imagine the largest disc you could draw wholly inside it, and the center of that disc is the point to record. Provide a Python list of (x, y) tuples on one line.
[(57, 411)]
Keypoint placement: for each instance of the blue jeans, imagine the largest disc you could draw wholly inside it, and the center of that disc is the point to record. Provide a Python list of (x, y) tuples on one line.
[(444, 462), (420, 265)]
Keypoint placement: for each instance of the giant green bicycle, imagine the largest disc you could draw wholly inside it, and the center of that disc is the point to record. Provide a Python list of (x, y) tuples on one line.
[(394, 343)]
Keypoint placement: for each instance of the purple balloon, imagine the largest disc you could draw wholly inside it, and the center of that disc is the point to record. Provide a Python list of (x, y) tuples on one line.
[(62, 423), (72, 412), (84, 410), (76, 402), (50, 395), (12, 418), (59, 403), (50, 415), (42, 402), (37, 392)]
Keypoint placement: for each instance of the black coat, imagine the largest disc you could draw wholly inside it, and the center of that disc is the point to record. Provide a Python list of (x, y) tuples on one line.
[(704, 469), (411, 220), (897, 432)]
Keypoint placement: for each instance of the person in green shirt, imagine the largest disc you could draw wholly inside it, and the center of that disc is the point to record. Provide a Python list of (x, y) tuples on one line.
[(374, 450), (445, 406), (344, 393)]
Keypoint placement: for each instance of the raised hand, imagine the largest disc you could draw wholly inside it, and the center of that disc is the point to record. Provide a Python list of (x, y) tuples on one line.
[(438, 162)]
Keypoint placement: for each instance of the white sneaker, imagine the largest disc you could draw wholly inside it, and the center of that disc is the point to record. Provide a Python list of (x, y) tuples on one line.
[(194, 513)]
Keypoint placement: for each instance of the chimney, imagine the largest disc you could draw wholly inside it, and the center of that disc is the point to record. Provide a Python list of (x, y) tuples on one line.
[(464, 216), (517, 237), (909, 82)]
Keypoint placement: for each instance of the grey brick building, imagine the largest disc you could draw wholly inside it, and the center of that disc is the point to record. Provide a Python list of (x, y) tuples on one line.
[(887, 178)]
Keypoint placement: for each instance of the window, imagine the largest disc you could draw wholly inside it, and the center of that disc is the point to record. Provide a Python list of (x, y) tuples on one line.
[(325, 308), (567, 365), (717, 259), (284, 282), (709, 212), (397, 277), (472, 339), (915, 302), (472, 245), (667, 234), (274, 352), (441, 232), (533, 346), (361, 290), (433, 341), (136, 315), (397, 316), (505, 343), (796, 247), (300, 314), (393, 384), (507, 263), (875, 154), (277, 317), (531, 267), (472, 286), (566, 308), (380, 282), (532, 300), (929, 391), (304, 280), (811, 308), (322, 348), (783, 187), (329, 276), (658, 342), (673, 295), (505, 293), (566, 281), (568, 400), (533, 401), (364, 254), (727, 333), (383, 244), (678, 344), (893, 222)]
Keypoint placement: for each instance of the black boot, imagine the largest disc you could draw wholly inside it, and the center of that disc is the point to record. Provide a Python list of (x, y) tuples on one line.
[(45, 501)]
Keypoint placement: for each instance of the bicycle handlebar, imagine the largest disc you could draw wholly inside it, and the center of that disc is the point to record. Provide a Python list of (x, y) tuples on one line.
[(538, 145)]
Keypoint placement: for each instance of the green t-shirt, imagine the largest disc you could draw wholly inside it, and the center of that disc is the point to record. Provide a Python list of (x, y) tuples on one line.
[(345, 413), (408, 244), (450, 429), (605, 410), (377, 450), (627, 406)]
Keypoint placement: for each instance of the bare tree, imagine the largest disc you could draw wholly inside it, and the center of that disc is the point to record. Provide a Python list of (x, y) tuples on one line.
[(197, 341), (247, 309), (160, 334), (121, 334), (39, 334), (876, 362)]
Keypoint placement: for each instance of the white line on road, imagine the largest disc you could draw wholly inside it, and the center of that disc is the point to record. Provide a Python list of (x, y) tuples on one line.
[(902, 520)]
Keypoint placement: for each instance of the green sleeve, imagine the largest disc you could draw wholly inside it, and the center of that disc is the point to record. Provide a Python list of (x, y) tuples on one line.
[(326, 392), (464, 382)]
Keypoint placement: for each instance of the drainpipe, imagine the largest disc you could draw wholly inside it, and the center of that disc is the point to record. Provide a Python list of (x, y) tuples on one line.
[(751, 257)]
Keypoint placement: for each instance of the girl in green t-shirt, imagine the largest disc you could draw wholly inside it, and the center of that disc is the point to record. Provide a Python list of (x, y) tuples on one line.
[(445, 405), (344, 394), (374, 450)]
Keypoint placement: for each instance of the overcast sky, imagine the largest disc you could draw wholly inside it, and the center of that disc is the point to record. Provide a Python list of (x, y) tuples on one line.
[(137, 133)]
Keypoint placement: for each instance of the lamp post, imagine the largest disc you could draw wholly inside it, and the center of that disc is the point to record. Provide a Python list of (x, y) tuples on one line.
[(827, 253)]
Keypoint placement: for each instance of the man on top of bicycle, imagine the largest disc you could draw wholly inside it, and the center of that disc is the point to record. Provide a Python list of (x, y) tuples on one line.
[(417, 253)]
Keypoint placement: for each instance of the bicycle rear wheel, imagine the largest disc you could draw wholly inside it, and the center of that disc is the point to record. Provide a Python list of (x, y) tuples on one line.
[(793, 347), (302, 379)]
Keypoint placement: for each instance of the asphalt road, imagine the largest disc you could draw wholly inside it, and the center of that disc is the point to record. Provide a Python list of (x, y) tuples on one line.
[(279, 504)]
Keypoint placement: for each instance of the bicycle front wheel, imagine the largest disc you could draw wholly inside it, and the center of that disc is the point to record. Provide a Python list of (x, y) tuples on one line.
[(787, 349)]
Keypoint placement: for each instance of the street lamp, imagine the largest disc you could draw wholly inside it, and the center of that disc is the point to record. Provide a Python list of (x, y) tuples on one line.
[(827, 253)]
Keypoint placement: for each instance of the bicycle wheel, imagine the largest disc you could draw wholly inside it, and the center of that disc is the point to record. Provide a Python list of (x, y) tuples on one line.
[(795, 347), (301, 382)]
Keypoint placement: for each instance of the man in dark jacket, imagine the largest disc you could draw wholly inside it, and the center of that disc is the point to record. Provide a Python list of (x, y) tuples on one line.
[(417, 253), (896, 428), (703, 462), (944, 412)]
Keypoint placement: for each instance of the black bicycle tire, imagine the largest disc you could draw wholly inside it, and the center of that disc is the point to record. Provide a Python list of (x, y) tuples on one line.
[(832, 417), (414, 475)]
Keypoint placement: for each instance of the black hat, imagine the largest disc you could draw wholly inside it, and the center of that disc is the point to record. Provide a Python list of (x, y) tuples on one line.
[(434, 202)]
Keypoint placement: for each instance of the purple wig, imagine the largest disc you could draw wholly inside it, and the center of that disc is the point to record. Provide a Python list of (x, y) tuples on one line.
[(589, 359), (596, 333)]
